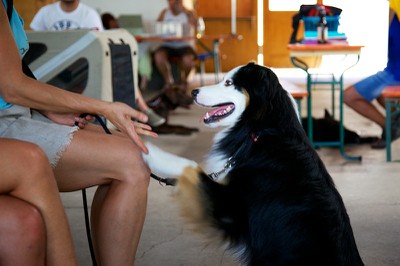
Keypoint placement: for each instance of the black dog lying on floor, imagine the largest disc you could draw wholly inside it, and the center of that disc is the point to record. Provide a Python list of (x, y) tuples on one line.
[(327, 129), (264, 190)]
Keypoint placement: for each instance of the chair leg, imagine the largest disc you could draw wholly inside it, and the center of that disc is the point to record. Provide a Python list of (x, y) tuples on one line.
[(202, 71), (87, 224), (388, 131)]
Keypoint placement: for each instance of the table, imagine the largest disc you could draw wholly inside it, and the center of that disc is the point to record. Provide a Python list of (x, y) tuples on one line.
[(213, 51), (297, 50)]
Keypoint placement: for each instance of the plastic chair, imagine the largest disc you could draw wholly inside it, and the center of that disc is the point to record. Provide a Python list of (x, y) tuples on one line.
[(391, 94), (202, 58)]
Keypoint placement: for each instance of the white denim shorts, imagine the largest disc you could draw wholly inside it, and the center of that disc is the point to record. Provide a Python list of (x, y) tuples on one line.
[(22, 123)]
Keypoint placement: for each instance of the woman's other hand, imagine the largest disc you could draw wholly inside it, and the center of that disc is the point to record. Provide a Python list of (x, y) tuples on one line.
[(68, 119)]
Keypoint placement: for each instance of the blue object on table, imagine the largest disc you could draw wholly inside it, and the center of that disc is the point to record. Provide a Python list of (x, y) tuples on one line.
[(310, 23), (312, 35)]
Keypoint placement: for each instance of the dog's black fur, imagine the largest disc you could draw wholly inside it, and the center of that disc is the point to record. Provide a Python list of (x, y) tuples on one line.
[(278, 205), (327, 129)]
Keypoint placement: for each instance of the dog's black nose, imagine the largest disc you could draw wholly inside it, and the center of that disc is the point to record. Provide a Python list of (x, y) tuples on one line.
[(194, 93)]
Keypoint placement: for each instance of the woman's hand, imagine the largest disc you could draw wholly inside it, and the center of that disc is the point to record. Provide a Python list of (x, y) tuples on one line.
[(121, 115), (68, 119)]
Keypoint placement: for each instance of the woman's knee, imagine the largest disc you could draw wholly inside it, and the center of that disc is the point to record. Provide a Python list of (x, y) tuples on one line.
[(133, 168), (40, 169), (29, 163), (23, 223), (32, 227), (160, 55), (32, 154), (349, 96), (188, 61), (27, 152)]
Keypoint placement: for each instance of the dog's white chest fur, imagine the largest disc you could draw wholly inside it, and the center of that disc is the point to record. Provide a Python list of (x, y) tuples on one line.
[(215, 163), (216, 166)]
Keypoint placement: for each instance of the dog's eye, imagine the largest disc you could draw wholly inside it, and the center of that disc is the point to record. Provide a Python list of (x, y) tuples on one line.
[(228, 82)]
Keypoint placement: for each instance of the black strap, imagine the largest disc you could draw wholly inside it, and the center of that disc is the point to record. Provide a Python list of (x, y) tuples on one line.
[(27, 70), (9, 9)]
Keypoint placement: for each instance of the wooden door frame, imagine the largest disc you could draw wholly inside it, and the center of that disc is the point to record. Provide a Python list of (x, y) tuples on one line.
[(278, 27)]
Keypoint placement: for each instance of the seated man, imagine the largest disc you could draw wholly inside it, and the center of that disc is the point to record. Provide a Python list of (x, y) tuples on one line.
[(183, 51), (360, 95)]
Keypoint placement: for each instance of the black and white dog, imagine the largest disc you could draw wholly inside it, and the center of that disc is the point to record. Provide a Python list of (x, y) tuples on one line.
[(265, 191)]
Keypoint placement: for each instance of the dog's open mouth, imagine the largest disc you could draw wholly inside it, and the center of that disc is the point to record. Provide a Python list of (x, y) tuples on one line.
[(219, 112)]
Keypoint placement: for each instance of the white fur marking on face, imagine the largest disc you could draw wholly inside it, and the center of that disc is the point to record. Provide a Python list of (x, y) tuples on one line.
[(223, 93)]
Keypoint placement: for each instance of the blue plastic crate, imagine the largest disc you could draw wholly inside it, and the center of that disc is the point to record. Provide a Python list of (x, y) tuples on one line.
[(310, 23)]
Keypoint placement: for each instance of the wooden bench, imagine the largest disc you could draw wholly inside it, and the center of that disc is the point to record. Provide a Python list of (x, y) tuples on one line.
[(391, 94)]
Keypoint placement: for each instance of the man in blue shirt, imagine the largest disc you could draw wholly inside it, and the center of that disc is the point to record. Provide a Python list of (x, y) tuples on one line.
[(360, 96)]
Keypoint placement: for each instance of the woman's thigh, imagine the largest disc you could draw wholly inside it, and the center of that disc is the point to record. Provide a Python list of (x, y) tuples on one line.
[(94, 157), (21, 123)]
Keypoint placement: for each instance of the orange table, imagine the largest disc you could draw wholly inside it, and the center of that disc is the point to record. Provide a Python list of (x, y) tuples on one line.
[(323, 49), (297, 50)]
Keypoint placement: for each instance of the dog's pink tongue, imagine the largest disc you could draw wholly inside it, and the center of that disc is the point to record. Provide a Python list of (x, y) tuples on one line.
[(218, 112)]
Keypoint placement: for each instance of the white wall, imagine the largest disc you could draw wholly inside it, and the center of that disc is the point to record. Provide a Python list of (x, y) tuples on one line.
[(365, 22)]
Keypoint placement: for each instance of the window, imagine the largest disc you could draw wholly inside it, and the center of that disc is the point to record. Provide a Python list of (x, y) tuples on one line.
[(365, 22)]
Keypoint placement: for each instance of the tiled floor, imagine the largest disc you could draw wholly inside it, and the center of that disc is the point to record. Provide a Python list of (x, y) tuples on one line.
[(370, 189)]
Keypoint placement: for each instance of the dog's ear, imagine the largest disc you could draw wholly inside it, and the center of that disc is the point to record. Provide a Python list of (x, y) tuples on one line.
[(257, 80), (268, 100), (260, 84), (327, 115)]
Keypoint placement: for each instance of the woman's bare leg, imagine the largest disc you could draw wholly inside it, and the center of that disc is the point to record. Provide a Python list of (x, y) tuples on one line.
[(115, 164), (27, 175), (22, 233)]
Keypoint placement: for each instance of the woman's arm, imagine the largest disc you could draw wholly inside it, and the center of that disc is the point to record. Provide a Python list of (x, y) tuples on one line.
[(17, 88)]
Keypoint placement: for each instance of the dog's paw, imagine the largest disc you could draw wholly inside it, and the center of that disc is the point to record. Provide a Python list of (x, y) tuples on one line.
[(166, 164)]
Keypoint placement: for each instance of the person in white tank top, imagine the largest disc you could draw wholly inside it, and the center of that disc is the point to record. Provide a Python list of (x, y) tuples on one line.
[(183, 50)]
